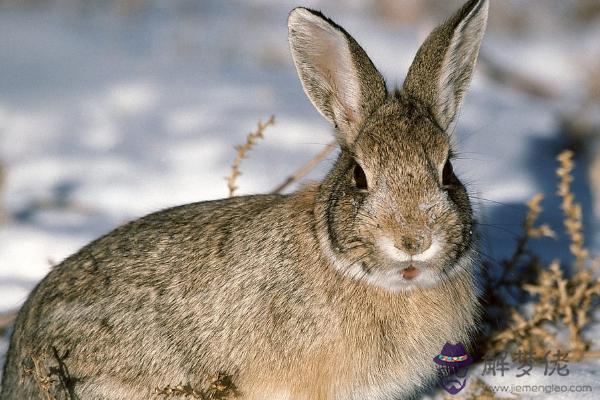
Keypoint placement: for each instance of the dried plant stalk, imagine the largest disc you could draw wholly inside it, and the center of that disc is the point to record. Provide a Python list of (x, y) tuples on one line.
[(530, 231), (535, 209), (306, 168), (571, 209), (242, 151)]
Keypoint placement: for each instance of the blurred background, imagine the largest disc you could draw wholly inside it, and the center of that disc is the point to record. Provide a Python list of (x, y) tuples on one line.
[(113, 109)]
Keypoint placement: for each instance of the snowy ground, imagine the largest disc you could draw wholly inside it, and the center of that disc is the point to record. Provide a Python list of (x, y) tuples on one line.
[(107, 115)]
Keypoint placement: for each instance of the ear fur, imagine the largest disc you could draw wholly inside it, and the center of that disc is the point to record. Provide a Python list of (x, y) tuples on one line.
[(337, 75), (442, 69)]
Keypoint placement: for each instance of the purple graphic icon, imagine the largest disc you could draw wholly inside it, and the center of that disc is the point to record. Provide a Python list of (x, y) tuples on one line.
[(453, 363)]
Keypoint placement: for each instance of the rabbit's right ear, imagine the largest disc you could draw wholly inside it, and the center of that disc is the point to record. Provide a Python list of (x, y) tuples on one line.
[(336, 73), (442, 69)]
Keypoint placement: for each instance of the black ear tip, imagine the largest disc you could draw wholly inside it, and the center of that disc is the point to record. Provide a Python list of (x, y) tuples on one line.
[(477, 6), (304, 12)]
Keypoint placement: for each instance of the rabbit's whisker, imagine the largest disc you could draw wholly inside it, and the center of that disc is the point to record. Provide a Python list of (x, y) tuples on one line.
[(500, 228), (520, 209)]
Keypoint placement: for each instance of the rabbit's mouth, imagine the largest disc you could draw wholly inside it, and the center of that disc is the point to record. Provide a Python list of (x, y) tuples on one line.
[(411, 272), (403, 277)]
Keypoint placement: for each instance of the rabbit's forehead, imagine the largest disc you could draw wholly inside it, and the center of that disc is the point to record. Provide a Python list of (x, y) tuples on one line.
[(403, 141)]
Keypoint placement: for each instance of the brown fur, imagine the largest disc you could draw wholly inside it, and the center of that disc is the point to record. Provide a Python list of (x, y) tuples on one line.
[(259, 287)]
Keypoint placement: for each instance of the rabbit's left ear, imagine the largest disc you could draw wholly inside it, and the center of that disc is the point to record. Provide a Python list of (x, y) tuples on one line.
[(337, 75), (441, 71)]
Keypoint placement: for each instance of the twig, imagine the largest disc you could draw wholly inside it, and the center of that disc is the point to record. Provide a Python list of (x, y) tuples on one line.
[(61, 370), (7, 319), (242, 150), (306, 168), (41, 377), (530, 231), (516, 80)]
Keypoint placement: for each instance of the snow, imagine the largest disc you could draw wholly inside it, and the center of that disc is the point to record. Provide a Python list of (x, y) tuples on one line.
[(123, 113)]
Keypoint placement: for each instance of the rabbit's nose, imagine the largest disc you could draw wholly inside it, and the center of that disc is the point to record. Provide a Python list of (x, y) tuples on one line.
[(414, 244)]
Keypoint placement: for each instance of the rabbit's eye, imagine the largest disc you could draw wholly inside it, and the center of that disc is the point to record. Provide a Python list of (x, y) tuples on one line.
[(447, 174), (360, 179)]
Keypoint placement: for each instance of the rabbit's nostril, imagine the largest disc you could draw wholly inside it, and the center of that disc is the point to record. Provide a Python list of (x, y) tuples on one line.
[(414, 244), (409, 243)]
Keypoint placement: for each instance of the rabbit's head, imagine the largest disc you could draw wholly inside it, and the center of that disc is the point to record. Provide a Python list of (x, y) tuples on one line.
[(391, 211)]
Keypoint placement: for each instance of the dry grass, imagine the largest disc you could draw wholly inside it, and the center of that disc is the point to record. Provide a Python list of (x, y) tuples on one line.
[(56, 383), (563, 298), (40, 374), (218, 387), (242, 152)]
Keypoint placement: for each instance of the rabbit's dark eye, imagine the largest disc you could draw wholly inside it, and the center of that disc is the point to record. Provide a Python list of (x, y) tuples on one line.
[(360, 179), (447, 174)]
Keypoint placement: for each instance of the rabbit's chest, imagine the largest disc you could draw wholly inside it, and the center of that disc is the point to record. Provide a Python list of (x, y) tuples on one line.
[(396, 354)]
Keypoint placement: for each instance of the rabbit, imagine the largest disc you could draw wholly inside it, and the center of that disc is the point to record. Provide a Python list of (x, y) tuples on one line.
[(343, 290)]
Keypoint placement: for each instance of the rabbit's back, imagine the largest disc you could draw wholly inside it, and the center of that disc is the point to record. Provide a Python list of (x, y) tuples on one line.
[(171, 298)]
